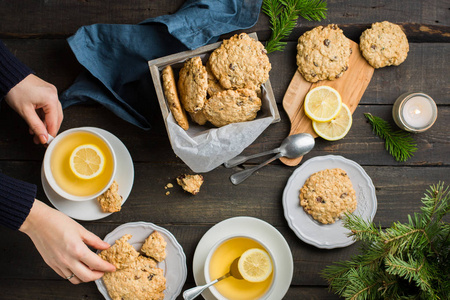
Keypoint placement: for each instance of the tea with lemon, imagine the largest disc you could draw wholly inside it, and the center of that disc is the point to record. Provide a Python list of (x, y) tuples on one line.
[(232, 288), (76, 180)]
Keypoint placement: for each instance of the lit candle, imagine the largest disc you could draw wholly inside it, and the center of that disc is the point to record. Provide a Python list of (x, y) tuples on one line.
[(414, 112)]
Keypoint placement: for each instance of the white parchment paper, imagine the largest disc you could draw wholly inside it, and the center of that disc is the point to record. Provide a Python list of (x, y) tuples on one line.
[(204, 148)]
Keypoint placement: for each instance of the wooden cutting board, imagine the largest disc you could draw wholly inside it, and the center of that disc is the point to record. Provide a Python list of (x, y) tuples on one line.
[(351, 86)]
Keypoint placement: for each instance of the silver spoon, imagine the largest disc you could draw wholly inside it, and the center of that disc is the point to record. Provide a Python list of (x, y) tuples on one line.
[(196, 291), (296, 139), (292, 147)]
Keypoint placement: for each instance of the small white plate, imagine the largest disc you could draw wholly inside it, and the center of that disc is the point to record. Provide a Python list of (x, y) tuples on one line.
[(327, 236), (174, 265), (252, 227), (90, 210)]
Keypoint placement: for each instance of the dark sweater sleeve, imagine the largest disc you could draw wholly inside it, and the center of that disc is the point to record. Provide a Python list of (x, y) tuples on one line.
[(16, 199), (12, 70)]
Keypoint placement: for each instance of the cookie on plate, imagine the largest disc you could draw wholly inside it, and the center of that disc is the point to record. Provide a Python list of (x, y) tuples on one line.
[(190, 183), (384, 44), (327, 195), (192, 84), (232, 106), (171, 93), (121, 254), (110, 201), (323, 53), (155, 246), (136, 283), (240, 62)]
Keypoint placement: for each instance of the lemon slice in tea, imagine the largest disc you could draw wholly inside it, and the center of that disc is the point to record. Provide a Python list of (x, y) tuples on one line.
[(87, 161), (255, 265), (322, 103), (337, 128)]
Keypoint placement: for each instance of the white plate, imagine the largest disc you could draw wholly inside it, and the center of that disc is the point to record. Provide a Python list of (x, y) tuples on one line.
[(174, 265), (252, 227), (90, 210), (331, 235)]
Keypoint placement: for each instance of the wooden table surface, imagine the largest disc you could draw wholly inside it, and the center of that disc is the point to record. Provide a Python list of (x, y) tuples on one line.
[(36, 32)]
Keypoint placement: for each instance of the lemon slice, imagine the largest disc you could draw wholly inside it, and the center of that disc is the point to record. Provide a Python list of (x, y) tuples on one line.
[(255, 265), (87, 161), (337, 128), (322, 103)]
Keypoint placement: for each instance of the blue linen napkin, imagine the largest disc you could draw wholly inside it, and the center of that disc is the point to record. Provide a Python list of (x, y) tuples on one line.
[(115, 56)]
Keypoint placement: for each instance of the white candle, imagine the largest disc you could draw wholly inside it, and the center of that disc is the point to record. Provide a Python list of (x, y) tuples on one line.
[(414, 112), (418, 112)]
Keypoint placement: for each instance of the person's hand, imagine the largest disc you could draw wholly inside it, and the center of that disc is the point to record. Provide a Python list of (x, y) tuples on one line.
[(62, 243), (36, 101)]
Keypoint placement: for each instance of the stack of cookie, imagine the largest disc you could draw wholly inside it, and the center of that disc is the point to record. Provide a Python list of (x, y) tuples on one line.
[(226, 90), (136, 276), (323, 53)]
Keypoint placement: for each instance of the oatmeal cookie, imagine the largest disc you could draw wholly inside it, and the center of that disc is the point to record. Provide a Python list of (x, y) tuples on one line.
[(384, 44), (327, 195), (199, 117), (110, 201), (240, 62), (121, 254), (192, 84), (170, 91), (139, 282), (213, 83), (190, 183), (155, 246), (323, 53), (232, 106)]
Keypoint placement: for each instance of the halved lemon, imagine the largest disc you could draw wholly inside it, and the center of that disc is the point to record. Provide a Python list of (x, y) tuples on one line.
[(322, 103), (337, 128), (255, 265), (87, 161)]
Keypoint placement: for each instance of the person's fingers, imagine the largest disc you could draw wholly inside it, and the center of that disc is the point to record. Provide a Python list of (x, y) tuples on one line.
[(94, 241), (94, 262), (53, 117), (36, 125), (71, 276), (85, 274)]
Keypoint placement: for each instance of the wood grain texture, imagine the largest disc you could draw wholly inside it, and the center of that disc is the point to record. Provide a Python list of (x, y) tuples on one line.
[(36, 32)]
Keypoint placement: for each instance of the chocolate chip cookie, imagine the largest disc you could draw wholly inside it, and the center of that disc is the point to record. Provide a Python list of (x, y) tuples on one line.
[(323, 53), (240, 62), (384, 44), (327, 195), (171, 93), (232, 106), (192, 84)]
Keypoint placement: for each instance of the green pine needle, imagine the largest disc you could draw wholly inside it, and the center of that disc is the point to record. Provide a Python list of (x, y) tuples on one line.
[(404, 261), (399, 143), (283, 15)]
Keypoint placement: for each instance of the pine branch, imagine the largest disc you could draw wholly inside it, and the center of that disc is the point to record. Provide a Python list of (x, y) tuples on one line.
[(399, 143), (405, 261), (283, 15)]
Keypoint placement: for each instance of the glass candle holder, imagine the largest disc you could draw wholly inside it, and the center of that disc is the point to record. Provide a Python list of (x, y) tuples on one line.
[(414, 112)]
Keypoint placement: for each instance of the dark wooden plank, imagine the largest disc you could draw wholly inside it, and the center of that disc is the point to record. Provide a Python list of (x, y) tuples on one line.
[(422, 70), (36, 289), (426, 20)]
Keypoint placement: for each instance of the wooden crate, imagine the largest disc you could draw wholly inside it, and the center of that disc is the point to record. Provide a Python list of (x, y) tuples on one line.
[(177, 60)]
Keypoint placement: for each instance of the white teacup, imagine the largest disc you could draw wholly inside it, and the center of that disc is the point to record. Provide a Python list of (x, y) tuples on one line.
[(56, 148), (215, 291)]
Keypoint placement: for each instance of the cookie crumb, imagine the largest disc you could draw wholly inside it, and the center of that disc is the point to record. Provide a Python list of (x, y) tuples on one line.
[(167, 193), (190, 183)]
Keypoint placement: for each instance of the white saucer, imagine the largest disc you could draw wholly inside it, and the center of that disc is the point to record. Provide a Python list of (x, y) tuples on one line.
[(327, 236), (174, 266), (90, 210), (254, 228)]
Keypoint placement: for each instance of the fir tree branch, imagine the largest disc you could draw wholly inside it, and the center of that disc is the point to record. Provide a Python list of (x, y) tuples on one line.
[(399, 143), (283, 15)]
